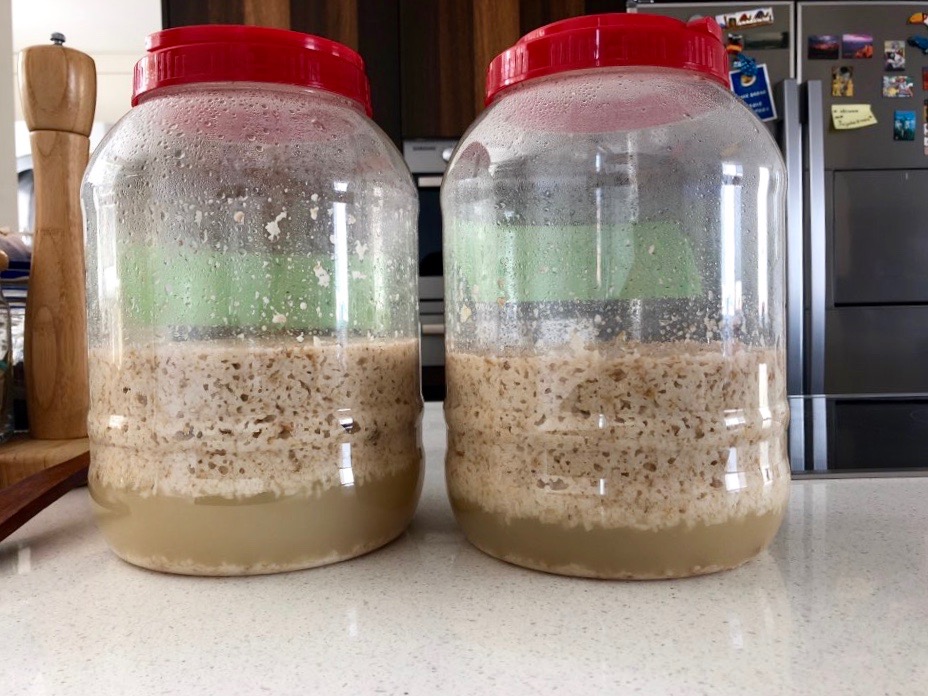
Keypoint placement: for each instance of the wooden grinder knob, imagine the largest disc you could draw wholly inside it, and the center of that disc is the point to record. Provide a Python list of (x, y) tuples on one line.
[(59, 92)]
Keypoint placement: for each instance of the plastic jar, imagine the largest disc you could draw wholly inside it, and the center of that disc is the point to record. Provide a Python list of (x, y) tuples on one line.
[(252, 289), (614, 282)]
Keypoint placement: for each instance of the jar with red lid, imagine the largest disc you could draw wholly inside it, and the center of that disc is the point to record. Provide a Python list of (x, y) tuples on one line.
[(614, 287), (252, 289)]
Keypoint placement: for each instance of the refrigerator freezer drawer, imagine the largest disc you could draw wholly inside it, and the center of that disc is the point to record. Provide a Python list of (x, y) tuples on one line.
[(878, 435), (880, 237), (876, 350)]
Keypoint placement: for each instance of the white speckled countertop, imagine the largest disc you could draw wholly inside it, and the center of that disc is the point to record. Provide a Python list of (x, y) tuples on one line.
[(837, 606)]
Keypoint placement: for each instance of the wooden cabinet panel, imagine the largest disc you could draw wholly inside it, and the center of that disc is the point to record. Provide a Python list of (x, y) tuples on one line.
[(537, 13), (426, 59), (179, 13), (379, 45), (436, 67), (267, 13), (371, 27), (333, 19), (264, 13), (446, 46), (496, 28)]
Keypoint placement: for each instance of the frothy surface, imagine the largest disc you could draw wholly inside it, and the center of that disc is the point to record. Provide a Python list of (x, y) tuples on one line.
[(632, 435), (232, 418)]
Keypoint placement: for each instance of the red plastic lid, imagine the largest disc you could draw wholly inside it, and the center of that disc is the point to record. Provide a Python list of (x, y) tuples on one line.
[(603, 40), (234, 53)]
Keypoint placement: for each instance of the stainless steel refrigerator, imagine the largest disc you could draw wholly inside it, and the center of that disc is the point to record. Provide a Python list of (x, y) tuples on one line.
[(857, 218)]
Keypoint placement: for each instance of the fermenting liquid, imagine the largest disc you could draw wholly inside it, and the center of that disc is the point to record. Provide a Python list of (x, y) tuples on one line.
[(235, 457), (635, 460)]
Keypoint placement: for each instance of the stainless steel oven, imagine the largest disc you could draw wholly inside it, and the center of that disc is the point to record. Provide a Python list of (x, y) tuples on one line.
[(427, 160)]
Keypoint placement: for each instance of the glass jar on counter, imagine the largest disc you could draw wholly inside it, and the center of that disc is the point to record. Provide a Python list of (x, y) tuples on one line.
[(253, 327), (614, 286)]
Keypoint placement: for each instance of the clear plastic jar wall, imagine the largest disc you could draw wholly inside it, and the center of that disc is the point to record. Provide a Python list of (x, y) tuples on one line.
[(252, 275), (615, 326)]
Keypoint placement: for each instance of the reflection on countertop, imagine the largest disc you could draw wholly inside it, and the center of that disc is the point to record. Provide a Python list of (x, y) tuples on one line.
[(835, 606)]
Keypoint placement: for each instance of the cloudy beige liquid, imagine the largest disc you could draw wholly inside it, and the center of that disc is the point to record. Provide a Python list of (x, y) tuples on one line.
[(226, 458), (633, 461), (599, 552), (257, 534)]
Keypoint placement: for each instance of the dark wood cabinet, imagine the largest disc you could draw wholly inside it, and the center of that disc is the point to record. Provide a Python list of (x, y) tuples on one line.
[(266, 13), (426, 59), (371, 27), (447, 45), (437, 67)]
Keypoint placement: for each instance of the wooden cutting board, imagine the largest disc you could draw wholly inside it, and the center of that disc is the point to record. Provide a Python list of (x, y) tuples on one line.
[(23, 456)]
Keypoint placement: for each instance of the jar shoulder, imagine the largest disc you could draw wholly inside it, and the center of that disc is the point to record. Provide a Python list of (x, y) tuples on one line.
[(556, 123), (292, 129)]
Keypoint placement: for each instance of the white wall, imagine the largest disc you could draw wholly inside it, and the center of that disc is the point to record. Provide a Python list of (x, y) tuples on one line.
[(112, 32), (8, 207)]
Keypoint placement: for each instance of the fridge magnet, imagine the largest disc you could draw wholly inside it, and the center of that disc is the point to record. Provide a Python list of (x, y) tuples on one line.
[(918, 18), (856, 46), (851, 116), (842, 81), (925, 79), (925, 113), (894, 53), (824, 47), (919, 42), (754, 89), (903, 125), (746, 18), (734, 45), (898, 86), (766, 40)]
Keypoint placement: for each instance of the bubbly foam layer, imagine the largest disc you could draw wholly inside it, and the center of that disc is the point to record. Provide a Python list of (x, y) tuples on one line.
[(236, 419), (631, 435)]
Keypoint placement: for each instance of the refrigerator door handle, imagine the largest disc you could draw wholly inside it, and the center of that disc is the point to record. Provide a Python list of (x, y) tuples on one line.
[(795, 253), (815, 162)]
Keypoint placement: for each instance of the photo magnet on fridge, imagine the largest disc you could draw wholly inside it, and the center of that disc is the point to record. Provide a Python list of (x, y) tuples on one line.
[(754, 91), (856, 46), (894, 54), (824, 47), (842, 81), (765, 40), (903, 125), (746, 19), (898, 86)]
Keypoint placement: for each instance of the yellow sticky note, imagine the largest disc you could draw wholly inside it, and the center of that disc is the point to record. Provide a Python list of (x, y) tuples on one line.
[(848, 116)]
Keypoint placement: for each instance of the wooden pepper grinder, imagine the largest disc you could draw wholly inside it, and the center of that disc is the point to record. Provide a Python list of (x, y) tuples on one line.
[(59, 94)]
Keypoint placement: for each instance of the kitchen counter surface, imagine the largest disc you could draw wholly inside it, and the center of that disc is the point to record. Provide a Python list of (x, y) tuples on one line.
[(838, 605)]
